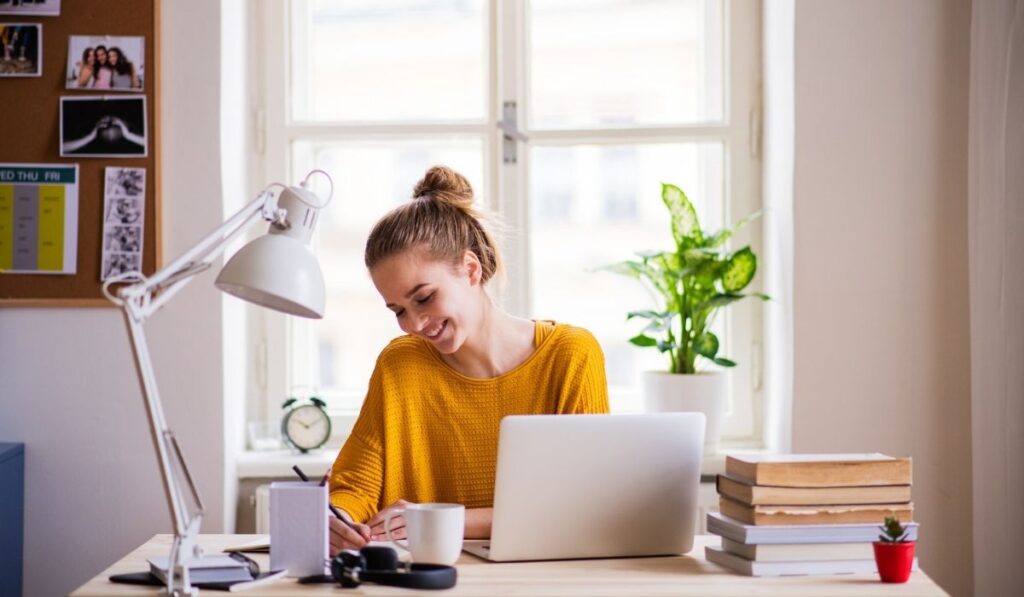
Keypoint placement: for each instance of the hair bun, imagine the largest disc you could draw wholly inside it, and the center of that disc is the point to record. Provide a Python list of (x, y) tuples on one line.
[(445, 185)]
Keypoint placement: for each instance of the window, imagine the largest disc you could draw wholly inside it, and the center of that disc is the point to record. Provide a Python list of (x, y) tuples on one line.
[(612, 96)]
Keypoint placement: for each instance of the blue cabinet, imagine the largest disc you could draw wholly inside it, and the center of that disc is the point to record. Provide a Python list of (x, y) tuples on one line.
[(12, 516)]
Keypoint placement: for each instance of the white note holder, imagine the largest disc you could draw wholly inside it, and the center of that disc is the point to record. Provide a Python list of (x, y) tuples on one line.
[(298, 528)]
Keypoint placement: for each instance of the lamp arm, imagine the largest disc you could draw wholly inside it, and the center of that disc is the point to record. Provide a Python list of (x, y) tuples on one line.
[(148, 294), (139, 299)]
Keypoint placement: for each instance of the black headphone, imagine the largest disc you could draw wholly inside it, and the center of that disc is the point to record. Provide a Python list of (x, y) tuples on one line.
[(380, 565)]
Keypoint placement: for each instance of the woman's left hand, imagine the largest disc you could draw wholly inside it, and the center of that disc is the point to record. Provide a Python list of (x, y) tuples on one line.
[(376, 523), (478, 523)]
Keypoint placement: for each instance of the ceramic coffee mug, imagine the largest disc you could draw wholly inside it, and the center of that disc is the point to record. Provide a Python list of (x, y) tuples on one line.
[(434, 531)]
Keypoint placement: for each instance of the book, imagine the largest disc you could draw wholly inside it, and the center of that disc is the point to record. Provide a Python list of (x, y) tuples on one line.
[(819, 470), (723, 526), (261, 544), (807, 568), (756, 495), (834, 514), (208, 569), (799, 552)]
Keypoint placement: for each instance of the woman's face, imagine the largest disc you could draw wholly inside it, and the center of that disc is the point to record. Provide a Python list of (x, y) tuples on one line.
[(90, 57), (113, 57), (432, 299), (101, 56)]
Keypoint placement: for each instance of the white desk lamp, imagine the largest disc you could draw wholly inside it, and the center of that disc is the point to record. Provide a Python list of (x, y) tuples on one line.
[(276, 270)]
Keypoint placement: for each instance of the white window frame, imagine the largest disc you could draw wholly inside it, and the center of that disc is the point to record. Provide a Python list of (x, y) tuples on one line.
[(506, 184)]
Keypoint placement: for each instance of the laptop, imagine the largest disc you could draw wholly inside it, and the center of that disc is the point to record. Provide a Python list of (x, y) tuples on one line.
[(594, 486)]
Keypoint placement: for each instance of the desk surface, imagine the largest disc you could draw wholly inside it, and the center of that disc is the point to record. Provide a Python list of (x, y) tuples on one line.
[(678, 575)]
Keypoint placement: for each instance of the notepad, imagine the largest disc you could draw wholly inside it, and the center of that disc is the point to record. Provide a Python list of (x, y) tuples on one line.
[(209, 569)]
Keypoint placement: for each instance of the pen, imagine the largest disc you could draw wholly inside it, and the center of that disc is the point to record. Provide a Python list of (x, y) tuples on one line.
[(337, 513)]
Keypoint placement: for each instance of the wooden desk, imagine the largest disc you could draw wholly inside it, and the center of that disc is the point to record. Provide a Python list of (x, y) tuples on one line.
[(680, 575)]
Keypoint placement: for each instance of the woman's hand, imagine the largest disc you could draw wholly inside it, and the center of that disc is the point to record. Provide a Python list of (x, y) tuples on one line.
[(478, 523), (344, 537), (376, 523)]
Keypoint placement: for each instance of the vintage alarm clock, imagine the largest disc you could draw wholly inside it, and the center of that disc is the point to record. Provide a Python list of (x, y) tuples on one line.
[(306, 425)]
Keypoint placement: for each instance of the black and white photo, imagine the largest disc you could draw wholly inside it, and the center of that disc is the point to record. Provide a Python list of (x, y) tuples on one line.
[(124, 210), (115, 63), (103, 126), (21, 49), (119, 263), (124, 216), (39, 8), (125, 182), (123, 239)]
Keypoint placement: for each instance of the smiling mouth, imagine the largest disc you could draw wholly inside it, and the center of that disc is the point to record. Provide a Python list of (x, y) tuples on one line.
[(434, 332)]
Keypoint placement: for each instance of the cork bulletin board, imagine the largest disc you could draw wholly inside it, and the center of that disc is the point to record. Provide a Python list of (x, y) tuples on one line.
[(31, 133)]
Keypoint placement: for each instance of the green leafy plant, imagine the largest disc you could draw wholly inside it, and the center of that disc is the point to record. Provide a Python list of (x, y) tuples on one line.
[(894, 531), (691, 284)]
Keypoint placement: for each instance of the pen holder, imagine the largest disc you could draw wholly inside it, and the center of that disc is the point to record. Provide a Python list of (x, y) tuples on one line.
[(298, 528)]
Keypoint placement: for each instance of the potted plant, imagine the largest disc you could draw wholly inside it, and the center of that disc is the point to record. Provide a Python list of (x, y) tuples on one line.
[(691, 284), (894, 553)]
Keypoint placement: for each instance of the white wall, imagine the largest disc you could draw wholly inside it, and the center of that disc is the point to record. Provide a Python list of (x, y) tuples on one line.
[(67, 383), (881, 315)]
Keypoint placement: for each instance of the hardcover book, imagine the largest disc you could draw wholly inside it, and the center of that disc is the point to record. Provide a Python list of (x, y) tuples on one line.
[(723, 526), (756, 495), (803, 515), (799, 552), (808, 568), (819, 470)]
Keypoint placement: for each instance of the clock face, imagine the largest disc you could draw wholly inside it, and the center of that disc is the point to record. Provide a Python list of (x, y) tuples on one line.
[(307, 427)]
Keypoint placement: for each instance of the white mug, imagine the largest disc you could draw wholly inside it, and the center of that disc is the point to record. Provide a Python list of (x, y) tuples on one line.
[(434, 530)]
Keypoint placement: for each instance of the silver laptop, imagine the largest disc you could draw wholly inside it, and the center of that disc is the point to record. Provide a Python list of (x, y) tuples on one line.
[(594, 486)]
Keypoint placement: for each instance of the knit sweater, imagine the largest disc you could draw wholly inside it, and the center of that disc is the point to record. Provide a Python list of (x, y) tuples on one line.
[(427, 433)]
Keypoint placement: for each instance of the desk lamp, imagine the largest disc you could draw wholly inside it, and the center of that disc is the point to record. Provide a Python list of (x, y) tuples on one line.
[(276, 270)]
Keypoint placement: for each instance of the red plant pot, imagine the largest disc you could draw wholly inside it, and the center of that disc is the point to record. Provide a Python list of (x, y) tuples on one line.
[(894, 560)]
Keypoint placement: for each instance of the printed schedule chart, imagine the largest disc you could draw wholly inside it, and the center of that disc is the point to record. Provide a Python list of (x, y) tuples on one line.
[(38, 218)]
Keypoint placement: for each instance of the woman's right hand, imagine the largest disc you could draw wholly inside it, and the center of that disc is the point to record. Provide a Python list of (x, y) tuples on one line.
[(344, 537)]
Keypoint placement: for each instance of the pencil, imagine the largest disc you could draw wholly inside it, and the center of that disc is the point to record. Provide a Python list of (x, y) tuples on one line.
[(337, 513)]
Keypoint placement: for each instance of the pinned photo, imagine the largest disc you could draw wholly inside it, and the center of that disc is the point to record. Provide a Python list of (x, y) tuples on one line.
[(123, 239), (125, 182), (124, 216), (112, 127), (115, 63), (124, 210), (21, 49), (119, 263), (41, 8)]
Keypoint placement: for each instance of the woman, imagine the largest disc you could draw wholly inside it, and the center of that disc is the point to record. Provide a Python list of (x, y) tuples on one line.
[(103, 72), (88, 66), (428, 429), (122, 70)]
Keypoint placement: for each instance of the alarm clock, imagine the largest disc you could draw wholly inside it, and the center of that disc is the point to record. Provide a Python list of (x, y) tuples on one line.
[(306, 425)]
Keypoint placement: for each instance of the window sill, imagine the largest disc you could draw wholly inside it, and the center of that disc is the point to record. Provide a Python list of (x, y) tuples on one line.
[(273, 464), (278, 463)]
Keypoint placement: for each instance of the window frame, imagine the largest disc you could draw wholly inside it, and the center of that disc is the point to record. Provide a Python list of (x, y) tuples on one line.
[(506, 184)]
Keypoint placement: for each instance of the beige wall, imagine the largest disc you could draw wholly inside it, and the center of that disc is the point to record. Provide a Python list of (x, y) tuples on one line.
[(881, 341)]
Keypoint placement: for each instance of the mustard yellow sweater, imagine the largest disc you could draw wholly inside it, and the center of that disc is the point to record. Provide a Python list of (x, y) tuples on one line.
[(427, 433)]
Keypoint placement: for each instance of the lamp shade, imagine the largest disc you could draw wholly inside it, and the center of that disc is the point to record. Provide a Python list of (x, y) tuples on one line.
[(277, 272)]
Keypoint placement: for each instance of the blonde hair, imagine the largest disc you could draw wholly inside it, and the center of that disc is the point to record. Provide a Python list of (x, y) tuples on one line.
[(440, 217)]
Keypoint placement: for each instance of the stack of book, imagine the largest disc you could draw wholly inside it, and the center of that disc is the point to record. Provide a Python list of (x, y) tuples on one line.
[(793, 514)]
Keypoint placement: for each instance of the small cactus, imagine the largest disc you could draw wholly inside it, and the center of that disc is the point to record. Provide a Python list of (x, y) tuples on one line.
[(894, 531)]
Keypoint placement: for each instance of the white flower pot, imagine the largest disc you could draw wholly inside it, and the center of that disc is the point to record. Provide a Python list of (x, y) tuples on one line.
[(699, 392)]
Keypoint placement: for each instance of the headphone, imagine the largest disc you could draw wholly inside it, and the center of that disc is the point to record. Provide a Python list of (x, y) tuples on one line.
[(380, 565)]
